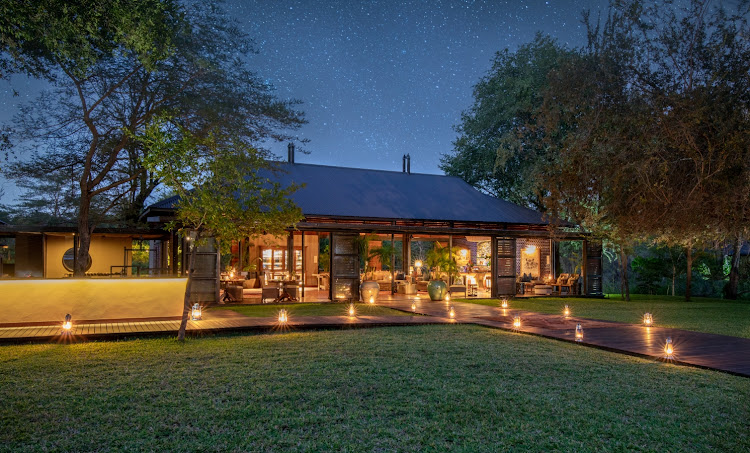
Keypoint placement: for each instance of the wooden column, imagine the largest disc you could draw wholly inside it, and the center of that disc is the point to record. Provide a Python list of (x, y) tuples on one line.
[(302, 280), (584, 270)]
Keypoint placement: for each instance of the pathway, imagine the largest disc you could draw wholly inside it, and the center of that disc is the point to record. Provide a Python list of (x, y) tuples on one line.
[(717, 352)]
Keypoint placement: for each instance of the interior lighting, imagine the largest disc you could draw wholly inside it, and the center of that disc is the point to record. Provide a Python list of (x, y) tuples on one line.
[(530, 249)]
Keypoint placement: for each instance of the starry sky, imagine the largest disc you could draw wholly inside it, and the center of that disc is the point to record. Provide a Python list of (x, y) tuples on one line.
[(379, 78)]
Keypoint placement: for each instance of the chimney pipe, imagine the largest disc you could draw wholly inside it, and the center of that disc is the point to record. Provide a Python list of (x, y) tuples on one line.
[(403, 163), (290, 149), (408, 164)]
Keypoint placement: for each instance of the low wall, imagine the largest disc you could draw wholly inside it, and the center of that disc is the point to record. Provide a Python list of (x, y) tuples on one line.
[(38, 301)]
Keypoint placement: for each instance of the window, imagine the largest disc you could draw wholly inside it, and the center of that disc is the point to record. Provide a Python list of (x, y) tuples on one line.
[(274, 261), (68, 258)]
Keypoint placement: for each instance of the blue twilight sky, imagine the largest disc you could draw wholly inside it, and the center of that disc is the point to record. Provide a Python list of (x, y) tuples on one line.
[(378, 78)]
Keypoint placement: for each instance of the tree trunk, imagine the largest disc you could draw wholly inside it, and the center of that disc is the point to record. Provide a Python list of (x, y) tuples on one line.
[(624, 283), (730, 290), (84, 235), (688, 281), (188, 288), (674, 277)]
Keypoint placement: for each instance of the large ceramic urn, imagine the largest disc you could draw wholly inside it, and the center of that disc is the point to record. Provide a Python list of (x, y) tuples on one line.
[(369, 289), (437, 290)]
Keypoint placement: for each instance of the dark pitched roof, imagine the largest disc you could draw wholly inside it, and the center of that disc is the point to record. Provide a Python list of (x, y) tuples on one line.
[(354, 192)]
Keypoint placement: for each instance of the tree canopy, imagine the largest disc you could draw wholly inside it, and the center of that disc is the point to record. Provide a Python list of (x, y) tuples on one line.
[(643, 134), (109, 87)]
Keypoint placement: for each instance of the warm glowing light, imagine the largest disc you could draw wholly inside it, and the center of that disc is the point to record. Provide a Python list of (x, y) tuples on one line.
[(418, 263), (669, 348), (648, 320), (566, 311), (579, 332), (413, 306), (447, 297), (68, 323), (504, 303), (464, 252), (530, 249), (283, 316), (516, 322), (372, 299), (452, 313), (352, 312), (195, 312)]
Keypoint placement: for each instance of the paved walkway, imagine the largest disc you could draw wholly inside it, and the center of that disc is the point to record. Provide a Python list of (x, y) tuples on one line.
[(717, 352)]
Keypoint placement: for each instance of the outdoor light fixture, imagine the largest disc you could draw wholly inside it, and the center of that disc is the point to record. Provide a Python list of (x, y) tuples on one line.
[(517, 322), (68, 323), (579, 332), (648, 320), (372, 299), (668, 348), (413, 306), (504, 303), (447, 297), (452, 313), (352, 312), (195, 313), (566, 311), (283, 316)]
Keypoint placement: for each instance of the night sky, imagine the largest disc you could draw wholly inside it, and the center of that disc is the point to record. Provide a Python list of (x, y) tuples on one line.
[(380, 78)]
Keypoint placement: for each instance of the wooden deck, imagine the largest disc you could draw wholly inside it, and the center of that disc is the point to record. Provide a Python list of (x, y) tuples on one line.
[(716, 352)]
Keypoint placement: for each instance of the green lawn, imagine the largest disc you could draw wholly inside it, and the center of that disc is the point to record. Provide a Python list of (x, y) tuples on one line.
[(702, 314), (427, 388), (325, 309)]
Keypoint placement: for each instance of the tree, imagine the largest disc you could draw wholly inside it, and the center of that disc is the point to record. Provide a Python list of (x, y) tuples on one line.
[(222, 188), (106, 93), (653, 120), (498, 150)]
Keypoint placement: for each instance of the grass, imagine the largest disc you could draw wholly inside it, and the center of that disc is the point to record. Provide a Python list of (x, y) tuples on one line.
[(312, 309), (718, 316), (429, 388)]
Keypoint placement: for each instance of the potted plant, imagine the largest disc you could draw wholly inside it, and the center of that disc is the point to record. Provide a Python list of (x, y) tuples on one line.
[(384, 253), (439, 260), (368, 288)]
